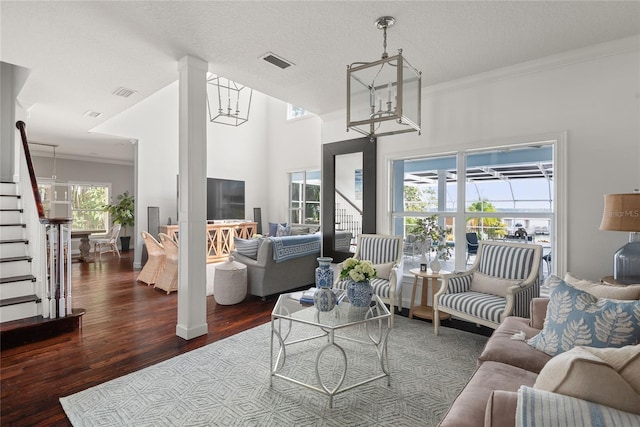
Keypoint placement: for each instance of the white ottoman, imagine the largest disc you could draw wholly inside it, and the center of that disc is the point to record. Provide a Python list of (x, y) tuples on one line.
[(230, 282)]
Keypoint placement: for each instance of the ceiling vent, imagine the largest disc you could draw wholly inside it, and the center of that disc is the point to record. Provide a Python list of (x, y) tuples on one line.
[(277, 60), (93, 114), (124, 92)]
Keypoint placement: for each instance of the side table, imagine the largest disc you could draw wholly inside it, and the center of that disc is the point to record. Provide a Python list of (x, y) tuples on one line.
[(424, 310), (609, 280)]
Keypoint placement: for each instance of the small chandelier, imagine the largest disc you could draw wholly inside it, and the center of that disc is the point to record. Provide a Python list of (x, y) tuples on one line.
[(383, 97), (234, 102)]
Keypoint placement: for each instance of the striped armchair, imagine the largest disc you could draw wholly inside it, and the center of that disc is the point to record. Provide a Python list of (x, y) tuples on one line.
[(385, 253), (501, 282)]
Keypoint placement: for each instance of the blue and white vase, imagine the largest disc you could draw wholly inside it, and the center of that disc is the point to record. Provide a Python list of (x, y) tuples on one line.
[(324, 273), (324, 299), (360, 293)]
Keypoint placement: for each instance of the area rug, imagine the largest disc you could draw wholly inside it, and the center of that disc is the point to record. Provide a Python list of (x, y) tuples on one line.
[(226, 383)]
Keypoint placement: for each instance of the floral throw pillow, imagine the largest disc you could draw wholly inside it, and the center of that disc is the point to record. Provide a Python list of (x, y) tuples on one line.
[(575, 317)]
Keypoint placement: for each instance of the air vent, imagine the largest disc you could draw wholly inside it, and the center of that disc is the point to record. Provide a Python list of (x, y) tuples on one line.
[(124, 92), (93, 114), (277, 61)]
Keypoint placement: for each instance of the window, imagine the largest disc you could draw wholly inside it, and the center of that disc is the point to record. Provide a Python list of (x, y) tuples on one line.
[(293, 112), (83, 202), (508, 194), (304, 196), (87, 201)]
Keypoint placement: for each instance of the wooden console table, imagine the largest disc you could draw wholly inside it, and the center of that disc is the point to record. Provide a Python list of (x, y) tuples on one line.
[(219, 237)]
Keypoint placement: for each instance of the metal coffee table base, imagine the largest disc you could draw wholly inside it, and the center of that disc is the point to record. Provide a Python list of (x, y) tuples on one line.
[(379, 341)]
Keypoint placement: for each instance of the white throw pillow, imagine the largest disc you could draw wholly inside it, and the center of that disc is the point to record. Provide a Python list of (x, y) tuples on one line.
[(384, 270), (491, 285), (601, 375), (601, 290)]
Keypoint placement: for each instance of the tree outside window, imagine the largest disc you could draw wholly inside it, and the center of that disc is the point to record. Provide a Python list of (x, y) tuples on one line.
[(86, 206), (492, 228)]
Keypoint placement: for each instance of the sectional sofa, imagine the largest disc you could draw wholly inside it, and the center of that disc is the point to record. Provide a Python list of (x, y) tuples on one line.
[(517, 383)]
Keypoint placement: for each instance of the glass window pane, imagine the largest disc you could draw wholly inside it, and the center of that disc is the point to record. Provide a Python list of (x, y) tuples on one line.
[(312, 193), (312, 213), (87, 201), (88, 220), (511, 180), (430, 184), (305, 197), (88, 197)]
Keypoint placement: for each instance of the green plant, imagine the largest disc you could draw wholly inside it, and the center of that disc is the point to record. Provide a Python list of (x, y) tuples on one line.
[(428, 229), (122, 212)]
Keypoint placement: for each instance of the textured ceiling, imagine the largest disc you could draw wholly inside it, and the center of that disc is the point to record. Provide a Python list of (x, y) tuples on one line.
[(80, 52)]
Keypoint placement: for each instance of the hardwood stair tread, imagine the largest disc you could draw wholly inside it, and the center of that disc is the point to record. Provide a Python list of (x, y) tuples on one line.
[(12, 279), (16, 258), (19, 300)]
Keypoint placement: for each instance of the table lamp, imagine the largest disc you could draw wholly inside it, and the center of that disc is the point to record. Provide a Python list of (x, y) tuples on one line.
[(622, 213)]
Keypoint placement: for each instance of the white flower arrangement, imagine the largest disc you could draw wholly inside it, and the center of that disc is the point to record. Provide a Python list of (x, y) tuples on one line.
[(357, 270)]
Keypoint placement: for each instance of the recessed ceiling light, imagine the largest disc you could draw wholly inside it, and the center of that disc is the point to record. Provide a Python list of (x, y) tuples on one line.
[(276, 60), (91, 113), (124, 92)]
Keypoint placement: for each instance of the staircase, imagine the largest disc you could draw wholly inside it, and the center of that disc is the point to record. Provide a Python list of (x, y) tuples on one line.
[(18, 297), (348, 217), (35, 262)]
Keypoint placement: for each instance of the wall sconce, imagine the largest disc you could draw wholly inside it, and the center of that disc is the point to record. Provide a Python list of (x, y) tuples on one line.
[(384, 97)]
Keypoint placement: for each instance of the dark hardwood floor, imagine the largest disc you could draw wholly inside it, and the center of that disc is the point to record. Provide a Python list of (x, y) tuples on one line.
[(127, 326)]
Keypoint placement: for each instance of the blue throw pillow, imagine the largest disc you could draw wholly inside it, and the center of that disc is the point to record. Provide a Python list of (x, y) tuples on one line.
[(273, 228), (575, 317), (283, 230), (247, 247)]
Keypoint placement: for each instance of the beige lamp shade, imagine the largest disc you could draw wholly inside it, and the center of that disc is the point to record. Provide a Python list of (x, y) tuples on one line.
[(621, 212)]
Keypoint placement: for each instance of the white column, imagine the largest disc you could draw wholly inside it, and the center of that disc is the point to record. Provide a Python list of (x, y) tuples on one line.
[(192, 302)]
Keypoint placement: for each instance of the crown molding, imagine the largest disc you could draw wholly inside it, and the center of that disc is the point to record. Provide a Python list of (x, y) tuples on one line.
[(559, 60), (92, 159)]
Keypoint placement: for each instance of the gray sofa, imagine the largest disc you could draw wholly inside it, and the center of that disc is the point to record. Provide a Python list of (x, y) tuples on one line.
[(266, 277)]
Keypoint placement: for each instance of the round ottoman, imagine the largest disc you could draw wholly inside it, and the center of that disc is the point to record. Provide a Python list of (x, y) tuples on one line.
[(230, 282)]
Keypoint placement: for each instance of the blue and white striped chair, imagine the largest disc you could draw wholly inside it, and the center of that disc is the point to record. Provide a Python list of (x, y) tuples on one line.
[(502, 281), (385, 253)]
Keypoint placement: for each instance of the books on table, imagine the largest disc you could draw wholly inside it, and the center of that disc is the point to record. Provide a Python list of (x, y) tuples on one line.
[(305, 297)]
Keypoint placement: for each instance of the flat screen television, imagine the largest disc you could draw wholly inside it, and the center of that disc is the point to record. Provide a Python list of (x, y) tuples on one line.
[(225, 199)]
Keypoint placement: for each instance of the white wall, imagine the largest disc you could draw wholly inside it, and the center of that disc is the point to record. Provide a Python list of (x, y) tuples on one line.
[(120, 176), (255, 152), (153, 122), (596, 101), (293, 146)]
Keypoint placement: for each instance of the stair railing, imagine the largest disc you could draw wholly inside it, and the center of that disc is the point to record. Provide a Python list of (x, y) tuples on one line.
[(348, 215), (58, 295)]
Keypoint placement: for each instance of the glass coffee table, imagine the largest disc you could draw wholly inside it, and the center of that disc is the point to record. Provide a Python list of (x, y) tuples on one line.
[(367, 326)]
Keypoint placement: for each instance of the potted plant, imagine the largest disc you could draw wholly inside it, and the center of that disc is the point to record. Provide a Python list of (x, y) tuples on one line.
[(122, 212), (428, 230)]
